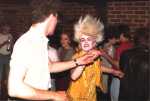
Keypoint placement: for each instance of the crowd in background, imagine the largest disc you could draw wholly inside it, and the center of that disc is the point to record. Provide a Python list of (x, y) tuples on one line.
[(6, 45), (122, 50)]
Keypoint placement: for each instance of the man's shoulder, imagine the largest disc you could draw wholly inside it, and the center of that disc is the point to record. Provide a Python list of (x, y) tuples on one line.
[(136, 51), (125, 58), (23, 40), (127, 52)]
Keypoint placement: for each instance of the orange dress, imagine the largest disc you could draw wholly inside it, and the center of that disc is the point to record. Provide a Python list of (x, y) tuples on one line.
[(84, 88)]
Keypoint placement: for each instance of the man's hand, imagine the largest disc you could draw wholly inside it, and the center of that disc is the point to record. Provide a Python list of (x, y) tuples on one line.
[(118, 73), (61, 96), (88, 57), (103, 52)]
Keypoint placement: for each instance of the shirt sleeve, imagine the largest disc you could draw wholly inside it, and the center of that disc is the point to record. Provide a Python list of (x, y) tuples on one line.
[(53, 55)]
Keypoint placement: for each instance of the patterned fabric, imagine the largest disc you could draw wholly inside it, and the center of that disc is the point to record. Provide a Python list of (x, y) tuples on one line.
[(84, 88)]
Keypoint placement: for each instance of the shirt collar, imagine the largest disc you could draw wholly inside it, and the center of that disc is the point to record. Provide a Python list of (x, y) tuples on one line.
[(37, 33)]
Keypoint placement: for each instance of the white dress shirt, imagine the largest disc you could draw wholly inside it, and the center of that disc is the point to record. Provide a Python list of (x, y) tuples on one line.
[(30, 53)]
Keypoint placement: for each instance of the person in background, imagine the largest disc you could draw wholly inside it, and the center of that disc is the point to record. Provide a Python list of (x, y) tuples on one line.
[(6, 40), (30, 68), (65, 53), (108, 46), (135, 64), (124, 44), (85, 79)]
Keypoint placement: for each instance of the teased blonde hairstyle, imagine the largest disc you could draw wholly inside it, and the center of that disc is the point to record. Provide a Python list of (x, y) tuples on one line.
[(89, 26)]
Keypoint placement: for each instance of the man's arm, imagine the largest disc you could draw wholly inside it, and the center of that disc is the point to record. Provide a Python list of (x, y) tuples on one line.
[(17, 88), (110, 59), (118, 73), (85, 59)]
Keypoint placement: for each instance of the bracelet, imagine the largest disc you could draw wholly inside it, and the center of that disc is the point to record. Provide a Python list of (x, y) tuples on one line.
[(76, 63)]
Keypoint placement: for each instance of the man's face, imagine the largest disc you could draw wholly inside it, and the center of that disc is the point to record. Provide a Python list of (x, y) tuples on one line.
[(87, 42), (122, 38), (51, 24), (113, 40)]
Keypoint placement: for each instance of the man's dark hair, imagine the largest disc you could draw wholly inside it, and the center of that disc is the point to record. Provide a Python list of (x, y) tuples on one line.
[(135, 84), (124, 29), (43, 11), (142, 36), (111, 32)]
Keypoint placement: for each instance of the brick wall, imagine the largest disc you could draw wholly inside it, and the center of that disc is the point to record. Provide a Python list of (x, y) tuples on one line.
[(17, 16), (134, 13), (72, 11)]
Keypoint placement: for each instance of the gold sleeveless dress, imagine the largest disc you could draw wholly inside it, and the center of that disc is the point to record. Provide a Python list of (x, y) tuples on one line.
[(84, 88)]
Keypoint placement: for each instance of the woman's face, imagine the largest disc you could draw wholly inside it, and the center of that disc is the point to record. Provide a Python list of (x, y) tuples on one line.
[(87, 42), (65, 41)]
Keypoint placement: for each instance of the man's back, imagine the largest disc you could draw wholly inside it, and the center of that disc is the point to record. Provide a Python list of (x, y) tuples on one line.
[(31, 56), (135, 64)]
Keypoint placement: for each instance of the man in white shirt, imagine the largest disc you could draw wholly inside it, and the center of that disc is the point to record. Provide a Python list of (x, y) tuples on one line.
[(30, 67)]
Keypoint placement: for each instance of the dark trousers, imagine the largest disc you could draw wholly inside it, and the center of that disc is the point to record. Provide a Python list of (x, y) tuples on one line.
[(4, 70)]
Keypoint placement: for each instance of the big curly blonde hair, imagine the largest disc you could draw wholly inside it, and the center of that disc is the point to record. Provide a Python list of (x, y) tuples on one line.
[(88, 26)]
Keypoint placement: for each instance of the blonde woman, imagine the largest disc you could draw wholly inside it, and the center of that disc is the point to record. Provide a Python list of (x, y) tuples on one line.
[(88, 31)]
